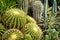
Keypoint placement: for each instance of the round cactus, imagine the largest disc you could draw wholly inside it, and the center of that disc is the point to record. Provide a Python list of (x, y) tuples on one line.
[(14, 18), (12, 34), (37, 11), (33, 30), (30, 19), (27, 37)]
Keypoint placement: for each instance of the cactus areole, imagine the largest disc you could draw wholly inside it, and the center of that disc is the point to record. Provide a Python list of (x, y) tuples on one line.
[(14, 18)]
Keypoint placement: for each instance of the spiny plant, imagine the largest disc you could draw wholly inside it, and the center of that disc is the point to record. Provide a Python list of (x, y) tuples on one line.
[(14, 18), (23, 5), (12, 34), (50, 34), (37, 11), (27, 37), (30, 19), (33, 30), (2, 30)]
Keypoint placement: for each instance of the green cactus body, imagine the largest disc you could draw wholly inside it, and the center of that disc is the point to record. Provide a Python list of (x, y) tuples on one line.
[(37, 11), (23, 4), (2, 30), (12, 34), (51, 34), (30, 19), (27, 37), (33, 30), (14, 18)]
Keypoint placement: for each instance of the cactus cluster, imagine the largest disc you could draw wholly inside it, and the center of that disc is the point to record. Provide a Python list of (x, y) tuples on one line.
[(14, 18), (33, 30), (12, 34)]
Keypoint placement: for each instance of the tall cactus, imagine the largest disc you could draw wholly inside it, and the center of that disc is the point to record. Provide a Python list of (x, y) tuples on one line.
[(23, 4), (37, 10)]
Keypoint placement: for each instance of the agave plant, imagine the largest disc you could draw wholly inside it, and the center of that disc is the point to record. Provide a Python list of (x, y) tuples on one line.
[(33, 30), (14, 18), (12, 34)]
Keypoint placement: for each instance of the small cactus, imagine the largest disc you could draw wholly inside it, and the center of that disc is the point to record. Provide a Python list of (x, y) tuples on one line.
[(23, 4), (37, 11), (14, 18), (27, 37), (33, 30), (12, 34)]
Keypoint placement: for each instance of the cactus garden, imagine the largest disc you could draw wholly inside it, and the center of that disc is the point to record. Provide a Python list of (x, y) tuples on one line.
[(29, 20)]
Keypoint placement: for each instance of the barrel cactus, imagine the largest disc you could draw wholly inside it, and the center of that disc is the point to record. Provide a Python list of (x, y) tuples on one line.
[(30, 19), (14, 18), (12, 34), (37, 11), (33, 30), (27, 37), (2, 30), (23, 4)]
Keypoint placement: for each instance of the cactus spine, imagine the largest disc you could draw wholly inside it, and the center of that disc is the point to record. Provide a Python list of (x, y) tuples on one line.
[(12, 34), (23, 4), (33, 30), (14, 18), (37, 10)]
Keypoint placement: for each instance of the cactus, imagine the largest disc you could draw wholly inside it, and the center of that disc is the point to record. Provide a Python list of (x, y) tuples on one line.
[(14, 18), (51, 34), (2, 30), (37, 11), (12, 34), (30, 19), (23, 4), (27, 37), (33, 30)]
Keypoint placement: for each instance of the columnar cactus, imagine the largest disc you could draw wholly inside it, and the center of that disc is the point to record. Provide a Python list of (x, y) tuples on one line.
[(14, 18), (37, 11), (23, 4), (33, 30), (12, 34)]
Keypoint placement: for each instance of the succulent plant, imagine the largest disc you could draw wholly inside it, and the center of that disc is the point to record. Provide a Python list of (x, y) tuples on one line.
[(27, 37), (37, 11), (33, 30), (2, 30), (12, 34), (51, 34), (14, 18), (30, 19), (24, 5)]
